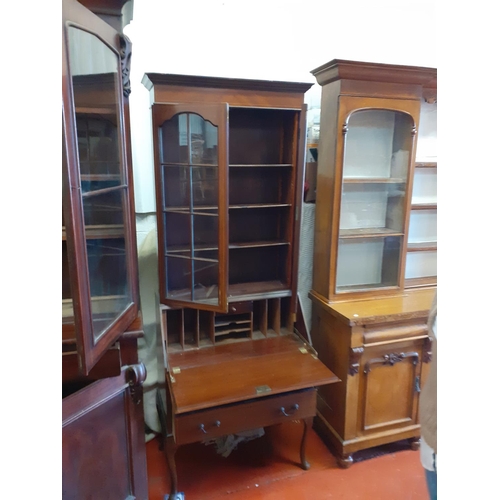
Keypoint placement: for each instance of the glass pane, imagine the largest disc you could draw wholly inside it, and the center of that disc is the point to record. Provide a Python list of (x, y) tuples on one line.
[(206, 277), (187, 138), (178, 277), (192, 280), (192, 268), (107, 262), (378, 145), (205, 184), (183, 184), (94, 69), (372, 207), (367, 263), (176, 187)]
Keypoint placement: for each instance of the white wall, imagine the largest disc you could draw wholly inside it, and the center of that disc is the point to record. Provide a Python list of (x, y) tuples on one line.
[(264, 39)]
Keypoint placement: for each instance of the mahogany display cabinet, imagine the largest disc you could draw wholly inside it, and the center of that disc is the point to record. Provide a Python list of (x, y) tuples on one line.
[(103, 441), (370, 296), (229, 166)]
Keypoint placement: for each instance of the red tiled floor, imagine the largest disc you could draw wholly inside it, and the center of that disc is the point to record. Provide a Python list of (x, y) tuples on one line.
[(267, 469)]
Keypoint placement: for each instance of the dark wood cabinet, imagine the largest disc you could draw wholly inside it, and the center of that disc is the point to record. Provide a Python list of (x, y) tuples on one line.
[(103, 423), (229, 166), (369, 316)]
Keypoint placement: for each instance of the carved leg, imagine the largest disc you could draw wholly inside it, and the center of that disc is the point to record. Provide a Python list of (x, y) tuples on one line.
[(308, 422), (415, 444), (345, 461), (170, 449)]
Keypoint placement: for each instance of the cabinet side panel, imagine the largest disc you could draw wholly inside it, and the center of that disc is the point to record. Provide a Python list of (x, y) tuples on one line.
[(331, 340), (325, 189)]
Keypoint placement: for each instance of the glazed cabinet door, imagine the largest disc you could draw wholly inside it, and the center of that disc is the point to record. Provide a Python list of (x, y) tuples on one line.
[(190, 148), (100, 289), (389, 387), (376, 154)]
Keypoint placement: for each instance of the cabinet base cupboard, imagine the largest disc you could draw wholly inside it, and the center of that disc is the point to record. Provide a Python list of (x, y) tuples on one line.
[(380, 349), (229, 163)]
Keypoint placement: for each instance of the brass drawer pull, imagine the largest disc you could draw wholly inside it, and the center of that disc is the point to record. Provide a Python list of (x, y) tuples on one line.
[(202, 426), (295, 407)]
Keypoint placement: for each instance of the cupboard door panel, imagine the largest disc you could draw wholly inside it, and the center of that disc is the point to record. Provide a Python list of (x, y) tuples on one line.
[(389, 387), (103, 442)]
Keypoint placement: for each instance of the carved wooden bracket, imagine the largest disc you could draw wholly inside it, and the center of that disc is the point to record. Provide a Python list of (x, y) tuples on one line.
[(354, 357), (427, 350), (135, 376), (125, 55), (391, 359)]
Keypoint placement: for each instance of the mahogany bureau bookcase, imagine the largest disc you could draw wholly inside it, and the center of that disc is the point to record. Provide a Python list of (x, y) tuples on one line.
[(103, 442), (374, 273), (229, 166)]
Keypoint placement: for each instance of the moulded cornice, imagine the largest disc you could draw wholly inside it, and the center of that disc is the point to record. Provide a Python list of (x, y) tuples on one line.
[(339, 69), (151, 79)]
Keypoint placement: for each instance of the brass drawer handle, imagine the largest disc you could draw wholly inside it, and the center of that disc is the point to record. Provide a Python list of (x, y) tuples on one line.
[(295, 407), (202, 426)]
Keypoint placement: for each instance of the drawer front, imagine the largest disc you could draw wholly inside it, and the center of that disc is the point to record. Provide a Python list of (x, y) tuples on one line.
[(207, 424), (239, 307)]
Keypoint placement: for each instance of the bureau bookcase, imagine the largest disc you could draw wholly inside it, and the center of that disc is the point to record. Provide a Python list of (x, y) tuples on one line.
[(229, 166)]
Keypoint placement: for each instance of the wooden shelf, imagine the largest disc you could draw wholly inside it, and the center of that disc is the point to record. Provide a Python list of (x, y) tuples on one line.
[(368, 233), (264, 165), (426, 281), (261, 205), (87, 110), (260, 289), (101, 232), (232, 246), (187, 164), (427, 246), (373, 180), (426, 164), (101, 177), (424, 206), (186, 210), (256, 244)]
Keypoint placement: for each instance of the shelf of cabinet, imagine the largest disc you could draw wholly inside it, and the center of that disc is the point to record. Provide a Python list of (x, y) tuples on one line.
[(424, 206), (426, 281), (368, 232), (263, 165), (373, 180), (101, 232), (232, 246), (427, 246), (258, 289), (426, 164)]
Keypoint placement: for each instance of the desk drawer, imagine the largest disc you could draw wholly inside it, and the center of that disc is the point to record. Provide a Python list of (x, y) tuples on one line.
[(244, 416)]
